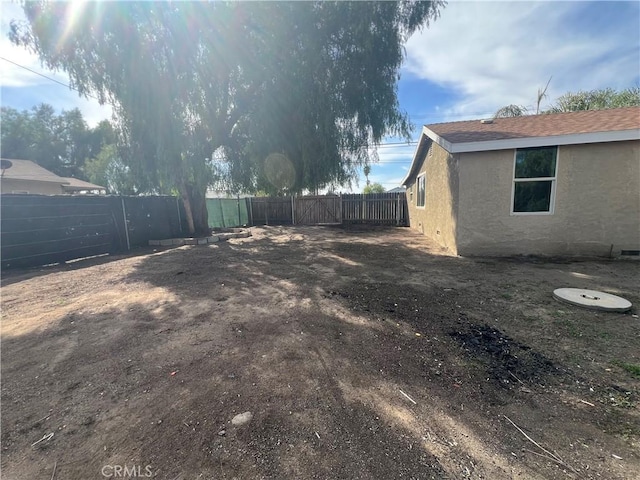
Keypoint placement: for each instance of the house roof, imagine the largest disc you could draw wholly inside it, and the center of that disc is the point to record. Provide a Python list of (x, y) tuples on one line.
[(73, 184), (570, 128), (545, 125), (28, 170)]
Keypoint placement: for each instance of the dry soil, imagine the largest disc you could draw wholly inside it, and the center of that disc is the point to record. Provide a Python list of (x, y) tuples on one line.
[(361, 353)]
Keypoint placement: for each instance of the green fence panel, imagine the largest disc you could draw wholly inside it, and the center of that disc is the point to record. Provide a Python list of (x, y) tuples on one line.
[(227, 212)]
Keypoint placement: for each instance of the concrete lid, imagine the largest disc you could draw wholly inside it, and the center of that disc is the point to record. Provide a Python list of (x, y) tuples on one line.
[(592, 299)]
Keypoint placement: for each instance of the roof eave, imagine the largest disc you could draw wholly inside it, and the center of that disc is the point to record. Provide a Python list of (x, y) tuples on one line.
[(26, 178), (520, 142), (552, 140), (417, 156)]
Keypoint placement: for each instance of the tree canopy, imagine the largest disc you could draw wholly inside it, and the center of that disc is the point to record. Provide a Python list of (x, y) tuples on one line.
[(596, 100), (61, 143), (208, 91), (374, 188), (582, 100), (511, 111)]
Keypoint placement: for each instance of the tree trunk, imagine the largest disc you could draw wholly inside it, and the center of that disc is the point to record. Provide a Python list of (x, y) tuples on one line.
[(187, 210), (199, 210), (195, 207)]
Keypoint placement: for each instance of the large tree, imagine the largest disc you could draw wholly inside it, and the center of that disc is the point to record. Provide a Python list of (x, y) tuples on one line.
[(239, 91)]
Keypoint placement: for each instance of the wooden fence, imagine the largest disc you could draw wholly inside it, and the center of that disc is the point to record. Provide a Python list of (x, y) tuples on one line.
[(42, 229), (271, 210), (378, 208), (372, 208), (317, 210)]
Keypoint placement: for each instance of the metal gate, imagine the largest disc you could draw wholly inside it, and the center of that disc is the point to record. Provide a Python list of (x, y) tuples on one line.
[(317, 210)]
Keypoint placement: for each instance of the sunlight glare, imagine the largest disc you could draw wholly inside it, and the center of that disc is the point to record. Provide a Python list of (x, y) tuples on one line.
[(73, 13)]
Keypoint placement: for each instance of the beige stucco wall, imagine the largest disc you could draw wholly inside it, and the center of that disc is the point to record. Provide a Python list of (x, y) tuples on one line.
[(597, 204), (9, 185), (437, 219)]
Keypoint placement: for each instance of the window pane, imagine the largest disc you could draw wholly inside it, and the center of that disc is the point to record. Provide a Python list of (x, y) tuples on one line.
[(420, 201), (532, 196), (536, 162)]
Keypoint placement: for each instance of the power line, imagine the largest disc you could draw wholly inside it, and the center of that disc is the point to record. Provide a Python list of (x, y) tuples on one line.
[(412, 115), (445, 115), (381, 145), (48, 78)]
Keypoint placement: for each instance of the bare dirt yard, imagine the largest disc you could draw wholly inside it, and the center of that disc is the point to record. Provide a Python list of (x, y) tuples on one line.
[(360, 353)]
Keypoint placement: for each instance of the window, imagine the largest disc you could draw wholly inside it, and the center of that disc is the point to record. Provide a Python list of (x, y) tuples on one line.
[(420, 199), (534, 181)]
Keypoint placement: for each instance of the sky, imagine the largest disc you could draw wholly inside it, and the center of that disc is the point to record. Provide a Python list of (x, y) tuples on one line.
[(477, 57)]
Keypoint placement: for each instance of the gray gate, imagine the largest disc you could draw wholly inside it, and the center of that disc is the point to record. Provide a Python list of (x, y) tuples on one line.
[(317, 210)]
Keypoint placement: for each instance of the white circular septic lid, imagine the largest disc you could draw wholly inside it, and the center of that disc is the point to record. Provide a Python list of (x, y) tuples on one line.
[(592, 299)]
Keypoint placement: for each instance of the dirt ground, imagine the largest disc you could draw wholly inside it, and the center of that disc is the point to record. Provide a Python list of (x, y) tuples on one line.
[(361, 353)]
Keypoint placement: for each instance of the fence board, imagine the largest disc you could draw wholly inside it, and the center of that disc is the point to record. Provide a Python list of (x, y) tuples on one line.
[(373, 208), (43, 229), (152, 218), (318, 210), (227, 212), (271, 211)]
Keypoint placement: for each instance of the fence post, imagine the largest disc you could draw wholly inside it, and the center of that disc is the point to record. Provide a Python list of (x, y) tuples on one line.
[(398, 209), (293, 212), (266, 213), (126, 225), (250, 200), (224, 224), (179, 217), (239, 219)]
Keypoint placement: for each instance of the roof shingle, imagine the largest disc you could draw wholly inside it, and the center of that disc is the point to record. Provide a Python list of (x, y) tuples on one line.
[(588, 121)]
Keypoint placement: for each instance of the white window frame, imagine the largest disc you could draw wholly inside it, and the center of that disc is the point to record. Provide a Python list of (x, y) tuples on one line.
[(552, 199), (423, 175)]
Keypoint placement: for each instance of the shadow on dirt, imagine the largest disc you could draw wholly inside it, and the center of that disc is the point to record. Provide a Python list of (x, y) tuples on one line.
[(291, 280), (14, 275), (316, 335)]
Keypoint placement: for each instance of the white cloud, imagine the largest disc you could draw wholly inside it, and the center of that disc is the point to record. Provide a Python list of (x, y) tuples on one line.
[(22, 86), (12, 75), (495, 54)]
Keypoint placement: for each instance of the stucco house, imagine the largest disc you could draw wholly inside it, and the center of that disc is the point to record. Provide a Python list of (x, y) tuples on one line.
[(553, 184), (25, 176)]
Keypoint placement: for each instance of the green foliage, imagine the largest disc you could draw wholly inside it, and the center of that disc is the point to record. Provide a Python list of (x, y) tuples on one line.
[(511, 111), (236, 82), (374, 188), (573, 102), (596, 100), (59, 143), (632, 368), (109, 170)]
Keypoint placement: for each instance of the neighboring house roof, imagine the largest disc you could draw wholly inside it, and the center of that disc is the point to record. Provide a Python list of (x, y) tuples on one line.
[(588, 126), (28, 170), (397, 190), (73, 184)]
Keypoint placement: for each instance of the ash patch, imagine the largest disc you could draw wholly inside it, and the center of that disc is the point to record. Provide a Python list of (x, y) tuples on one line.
[(509, 361)]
